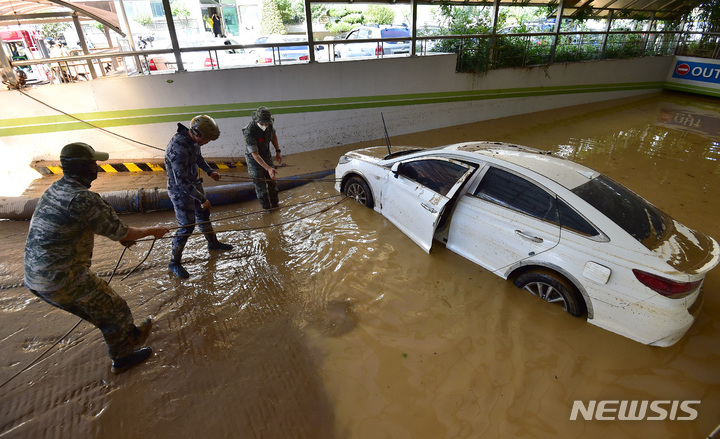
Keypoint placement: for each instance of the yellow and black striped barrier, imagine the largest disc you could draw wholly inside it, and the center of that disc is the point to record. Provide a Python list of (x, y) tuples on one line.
[(136, 167)]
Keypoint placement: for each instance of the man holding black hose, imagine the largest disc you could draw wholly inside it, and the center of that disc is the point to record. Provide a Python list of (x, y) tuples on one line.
[(259, 134)]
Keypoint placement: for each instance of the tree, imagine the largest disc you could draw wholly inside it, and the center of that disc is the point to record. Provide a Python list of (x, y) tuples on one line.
[(271, 20), (54, 30), (378, 14)]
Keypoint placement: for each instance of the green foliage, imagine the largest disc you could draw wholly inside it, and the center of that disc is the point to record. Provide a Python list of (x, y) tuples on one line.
[(352, 19), (53, 30), (317, 10), (339, 27), (179, 10), (289, 12), (341, 11), (378, 14), (143, 19), (271, 22)]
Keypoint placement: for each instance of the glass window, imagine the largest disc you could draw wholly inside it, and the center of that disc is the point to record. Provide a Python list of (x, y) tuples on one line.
[(394, 33), (632, 213), (517, 193), (572, 220), (157, 9), (437, 175)]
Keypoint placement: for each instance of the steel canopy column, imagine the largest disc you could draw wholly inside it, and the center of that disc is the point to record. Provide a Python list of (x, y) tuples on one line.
[(130, 35), (83, 44), (5, 67), (413, 34), (606, 34), (308, 24), (556, 37), (173, 35)]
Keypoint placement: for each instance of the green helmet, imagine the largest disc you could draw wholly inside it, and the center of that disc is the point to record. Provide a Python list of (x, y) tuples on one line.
[(83, 151), (206, 126)]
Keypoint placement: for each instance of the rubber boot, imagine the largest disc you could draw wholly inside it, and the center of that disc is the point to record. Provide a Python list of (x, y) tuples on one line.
[(120, 365), (175, 266), (141, 332), (214, 244)]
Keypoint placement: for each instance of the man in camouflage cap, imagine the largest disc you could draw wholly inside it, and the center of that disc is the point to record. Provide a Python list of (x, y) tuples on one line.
[(259, 134), (58, 254), (182, 160)]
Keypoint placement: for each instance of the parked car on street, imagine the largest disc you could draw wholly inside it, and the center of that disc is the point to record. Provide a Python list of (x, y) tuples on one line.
[(283, 54), (374, 48), (560, 230), (202, 59)]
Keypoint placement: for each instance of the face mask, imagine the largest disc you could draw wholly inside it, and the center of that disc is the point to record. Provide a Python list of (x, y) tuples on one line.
[(85, 171), (263, 126)]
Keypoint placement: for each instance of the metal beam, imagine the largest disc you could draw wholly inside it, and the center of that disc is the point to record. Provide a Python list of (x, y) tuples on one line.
[(308, 23), (83, 44), (173, 35)]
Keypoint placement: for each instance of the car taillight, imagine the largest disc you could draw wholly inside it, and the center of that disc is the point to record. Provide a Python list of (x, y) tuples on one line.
[(666, 287), (152, 65), (210, 62), (303, 58), (379, 50), (265, 60)]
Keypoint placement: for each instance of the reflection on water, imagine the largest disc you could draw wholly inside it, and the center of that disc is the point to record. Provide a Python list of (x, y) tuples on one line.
[(338, 325)]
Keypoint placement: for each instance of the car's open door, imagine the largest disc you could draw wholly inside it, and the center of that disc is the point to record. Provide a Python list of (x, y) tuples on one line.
[(417, 192)]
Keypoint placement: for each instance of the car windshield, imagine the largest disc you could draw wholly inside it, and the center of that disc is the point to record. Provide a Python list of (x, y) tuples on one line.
[(632, 213), (394, 33)]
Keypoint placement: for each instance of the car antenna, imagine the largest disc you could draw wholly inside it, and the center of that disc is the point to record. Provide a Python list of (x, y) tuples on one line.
[(387, 138)]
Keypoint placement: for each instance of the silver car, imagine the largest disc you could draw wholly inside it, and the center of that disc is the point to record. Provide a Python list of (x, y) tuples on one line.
[(360, 49)]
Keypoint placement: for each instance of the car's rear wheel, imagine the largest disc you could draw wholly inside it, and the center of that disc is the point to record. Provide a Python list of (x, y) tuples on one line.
[(357, 188), (552, 288)]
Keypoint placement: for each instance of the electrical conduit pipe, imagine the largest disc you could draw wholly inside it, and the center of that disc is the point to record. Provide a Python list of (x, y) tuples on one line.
[(146, 200)]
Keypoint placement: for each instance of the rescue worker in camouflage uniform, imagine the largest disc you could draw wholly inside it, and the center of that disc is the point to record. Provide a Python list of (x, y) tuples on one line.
[(259, 134), (182, 160), (58, 254)]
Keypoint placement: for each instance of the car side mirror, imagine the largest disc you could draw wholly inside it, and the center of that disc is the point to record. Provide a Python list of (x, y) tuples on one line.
[(396, 169), (319, 47)]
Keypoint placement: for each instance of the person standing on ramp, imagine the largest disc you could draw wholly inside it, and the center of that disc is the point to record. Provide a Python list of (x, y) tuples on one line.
[(182, 160), (259, 134)]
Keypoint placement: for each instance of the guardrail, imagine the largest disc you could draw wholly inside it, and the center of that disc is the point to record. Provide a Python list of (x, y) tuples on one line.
[(476, 52)]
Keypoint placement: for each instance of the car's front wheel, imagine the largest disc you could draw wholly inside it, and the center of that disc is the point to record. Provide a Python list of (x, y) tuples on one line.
[(552, 288), (357, 188)]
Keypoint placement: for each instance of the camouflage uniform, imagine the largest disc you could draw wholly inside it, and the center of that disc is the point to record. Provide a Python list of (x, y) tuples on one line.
[(58, 254), (259, 141), (182, 159)]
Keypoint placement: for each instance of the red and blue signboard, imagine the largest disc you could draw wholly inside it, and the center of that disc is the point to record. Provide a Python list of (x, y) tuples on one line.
[(697, 71), (694, 75)]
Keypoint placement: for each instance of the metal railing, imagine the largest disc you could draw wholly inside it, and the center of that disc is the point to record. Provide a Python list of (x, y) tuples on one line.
[(476, 52)]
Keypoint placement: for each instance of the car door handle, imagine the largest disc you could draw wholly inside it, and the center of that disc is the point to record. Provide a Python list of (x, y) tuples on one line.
[(531, 238), (428, 208)]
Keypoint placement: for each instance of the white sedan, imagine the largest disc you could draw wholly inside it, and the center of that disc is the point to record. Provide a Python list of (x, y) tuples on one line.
[(558, 229)]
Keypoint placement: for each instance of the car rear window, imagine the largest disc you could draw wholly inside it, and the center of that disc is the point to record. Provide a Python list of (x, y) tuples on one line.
[(394, 33), (632, 213)]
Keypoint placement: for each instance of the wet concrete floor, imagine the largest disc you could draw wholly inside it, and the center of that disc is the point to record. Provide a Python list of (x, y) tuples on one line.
[(325, 321)]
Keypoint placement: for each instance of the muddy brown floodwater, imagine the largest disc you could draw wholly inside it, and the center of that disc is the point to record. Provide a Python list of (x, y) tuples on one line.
[(335, 325)]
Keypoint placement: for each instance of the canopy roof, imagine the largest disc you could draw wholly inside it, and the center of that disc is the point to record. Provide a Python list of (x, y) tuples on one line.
[(51, 11)]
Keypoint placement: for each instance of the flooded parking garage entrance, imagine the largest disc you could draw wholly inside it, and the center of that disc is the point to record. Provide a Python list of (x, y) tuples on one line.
[(325, 321)]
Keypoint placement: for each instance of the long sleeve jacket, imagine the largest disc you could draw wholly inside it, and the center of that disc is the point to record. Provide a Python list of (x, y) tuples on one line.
[(182, 160)]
